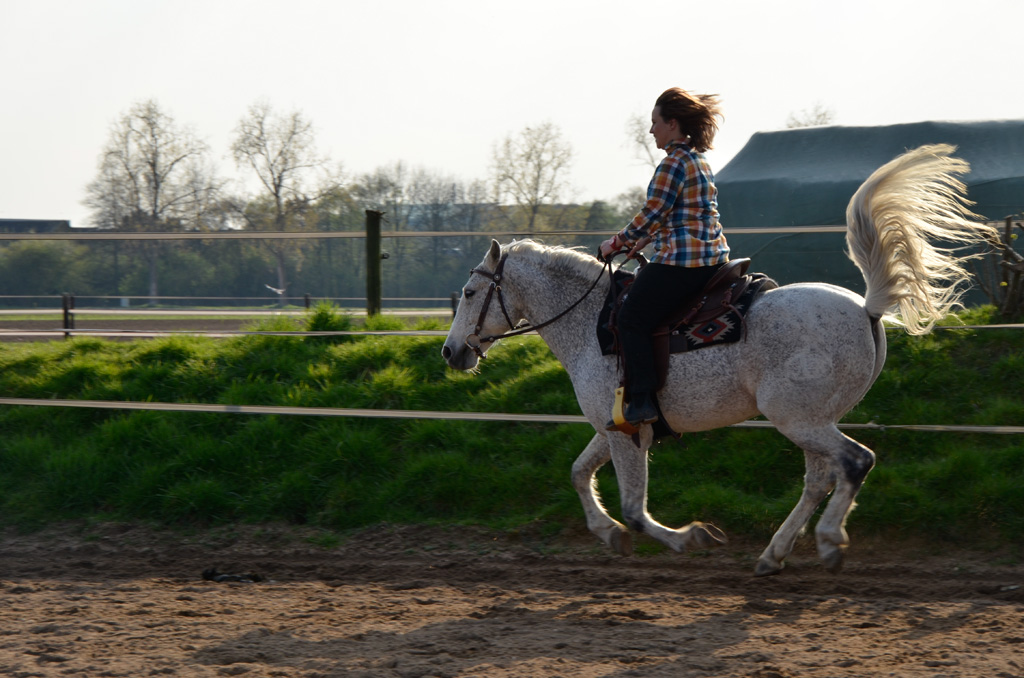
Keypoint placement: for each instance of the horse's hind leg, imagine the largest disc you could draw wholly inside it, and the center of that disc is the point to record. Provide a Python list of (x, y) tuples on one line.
[(833, 461), (817, 484), (611, 532), (631, 472), (855, 462)]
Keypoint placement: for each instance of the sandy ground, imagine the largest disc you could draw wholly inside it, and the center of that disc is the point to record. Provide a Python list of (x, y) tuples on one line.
[(121, 600)]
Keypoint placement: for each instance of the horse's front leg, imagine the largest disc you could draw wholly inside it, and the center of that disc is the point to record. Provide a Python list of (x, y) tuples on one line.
[(631, 471), (610, 531)]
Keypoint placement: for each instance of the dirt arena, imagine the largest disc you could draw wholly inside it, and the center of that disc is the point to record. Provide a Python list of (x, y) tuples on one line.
[(121, 600)]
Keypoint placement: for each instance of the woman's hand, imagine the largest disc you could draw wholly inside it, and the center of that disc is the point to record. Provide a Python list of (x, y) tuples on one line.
[(610, 247)]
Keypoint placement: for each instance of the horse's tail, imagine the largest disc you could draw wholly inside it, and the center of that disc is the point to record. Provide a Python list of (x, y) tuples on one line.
[(892, 222)]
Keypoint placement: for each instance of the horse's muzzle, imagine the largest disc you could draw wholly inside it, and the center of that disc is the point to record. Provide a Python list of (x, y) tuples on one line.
[(459, 357)]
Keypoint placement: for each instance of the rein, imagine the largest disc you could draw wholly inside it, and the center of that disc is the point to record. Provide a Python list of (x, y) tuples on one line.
[(514, 330)]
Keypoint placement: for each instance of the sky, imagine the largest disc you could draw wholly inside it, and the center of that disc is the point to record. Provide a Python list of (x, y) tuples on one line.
[(436, 84)]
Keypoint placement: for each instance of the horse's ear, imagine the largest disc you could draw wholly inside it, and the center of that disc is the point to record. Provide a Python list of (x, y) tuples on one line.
[(494, 254)]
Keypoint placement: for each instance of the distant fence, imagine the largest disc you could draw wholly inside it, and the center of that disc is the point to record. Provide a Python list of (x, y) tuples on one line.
[(43, 303), (786, 253), (72, 306), (68, 312), (315, 235)]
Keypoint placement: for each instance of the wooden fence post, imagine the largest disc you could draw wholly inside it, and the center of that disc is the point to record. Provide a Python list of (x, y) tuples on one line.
[(373, 259), (68, 305)]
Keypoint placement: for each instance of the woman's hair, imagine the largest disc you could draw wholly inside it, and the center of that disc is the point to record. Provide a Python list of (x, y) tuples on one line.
[(697, 115)]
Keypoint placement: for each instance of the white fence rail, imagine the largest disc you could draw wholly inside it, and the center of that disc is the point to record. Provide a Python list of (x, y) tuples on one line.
[(326, 235), (456, 416)]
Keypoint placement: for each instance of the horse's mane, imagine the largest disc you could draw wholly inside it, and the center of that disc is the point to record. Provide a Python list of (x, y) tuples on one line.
[(566, 260)]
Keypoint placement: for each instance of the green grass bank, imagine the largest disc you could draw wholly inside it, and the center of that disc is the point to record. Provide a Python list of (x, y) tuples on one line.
[(189, 469)]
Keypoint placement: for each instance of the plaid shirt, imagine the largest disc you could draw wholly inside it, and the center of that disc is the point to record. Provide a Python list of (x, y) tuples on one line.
[(681, 213)]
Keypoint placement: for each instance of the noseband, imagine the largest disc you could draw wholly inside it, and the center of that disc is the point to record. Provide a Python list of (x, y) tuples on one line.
[(514, 330)]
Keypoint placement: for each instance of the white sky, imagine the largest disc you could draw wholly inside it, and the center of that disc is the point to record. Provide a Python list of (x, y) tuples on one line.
[(436, 83)]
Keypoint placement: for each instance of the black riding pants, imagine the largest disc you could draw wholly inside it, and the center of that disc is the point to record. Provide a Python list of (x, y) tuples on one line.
[(657, 291)]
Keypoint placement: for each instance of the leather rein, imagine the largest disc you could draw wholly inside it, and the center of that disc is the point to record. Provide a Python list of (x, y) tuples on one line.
[(514, 330)]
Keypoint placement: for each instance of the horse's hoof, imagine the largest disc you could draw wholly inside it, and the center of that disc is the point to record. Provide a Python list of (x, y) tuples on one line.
[(833, 562), (622, 542), (766, 568), (706, 535)]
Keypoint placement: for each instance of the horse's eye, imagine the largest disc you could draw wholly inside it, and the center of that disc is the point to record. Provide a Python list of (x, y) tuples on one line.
[(468, 293)]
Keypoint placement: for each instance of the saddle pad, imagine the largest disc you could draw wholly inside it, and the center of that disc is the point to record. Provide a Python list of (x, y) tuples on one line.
[(724, 329)]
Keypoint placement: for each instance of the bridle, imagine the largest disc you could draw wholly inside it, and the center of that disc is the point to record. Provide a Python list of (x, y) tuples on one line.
[(514, 330)]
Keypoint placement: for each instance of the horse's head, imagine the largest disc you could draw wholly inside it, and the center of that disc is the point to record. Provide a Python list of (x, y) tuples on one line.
[(482, 316)]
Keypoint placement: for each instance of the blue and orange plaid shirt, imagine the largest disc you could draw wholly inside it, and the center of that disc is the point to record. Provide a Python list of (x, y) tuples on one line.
[(681, 213)]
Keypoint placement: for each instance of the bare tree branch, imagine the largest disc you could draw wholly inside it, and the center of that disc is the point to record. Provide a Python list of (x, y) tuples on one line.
[(532, 170), (153, 175), (281, 151), (638, 131), (816, 115)]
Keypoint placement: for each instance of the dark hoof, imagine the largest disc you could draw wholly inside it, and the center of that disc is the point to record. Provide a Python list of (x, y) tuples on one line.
[(622, 542), (834, 562), (706, 535), (764, 569)]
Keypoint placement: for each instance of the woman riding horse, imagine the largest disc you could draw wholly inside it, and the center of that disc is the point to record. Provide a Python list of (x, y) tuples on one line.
[(681, 216)]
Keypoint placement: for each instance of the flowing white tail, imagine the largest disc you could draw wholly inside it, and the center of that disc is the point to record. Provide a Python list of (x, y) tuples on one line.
[(893, 222)]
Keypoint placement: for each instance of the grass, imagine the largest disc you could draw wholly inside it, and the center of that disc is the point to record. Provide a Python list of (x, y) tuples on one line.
[(198, 469)]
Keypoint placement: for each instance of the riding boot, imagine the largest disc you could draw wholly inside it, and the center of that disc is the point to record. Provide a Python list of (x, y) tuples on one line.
[(643, 381), (640, 410)]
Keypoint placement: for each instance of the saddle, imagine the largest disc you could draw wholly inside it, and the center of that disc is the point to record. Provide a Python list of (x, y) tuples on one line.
[(714, 315), (702, 317)]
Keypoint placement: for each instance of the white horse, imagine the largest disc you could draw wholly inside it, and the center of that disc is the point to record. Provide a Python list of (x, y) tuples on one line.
[(811, 351)]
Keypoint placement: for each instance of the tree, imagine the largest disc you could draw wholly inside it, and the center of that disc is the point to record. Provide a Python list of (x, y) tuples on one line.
[(153, 176), (280, 150), (531, 169), (335, 266), (638, 131), (814, 116), (473, 209), (629, 202), (436, 198), (1000, 273), (30, 267)]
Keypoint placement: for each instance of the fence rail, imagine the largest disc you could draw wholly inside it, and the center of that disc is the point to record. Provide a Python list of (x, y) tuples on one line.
[(313, 235), (453, 416), (69, 312)]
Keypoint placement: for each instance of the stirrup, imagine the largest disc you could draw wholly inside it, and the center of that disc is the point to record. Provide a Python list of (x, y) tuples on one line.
[(618, 421)]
